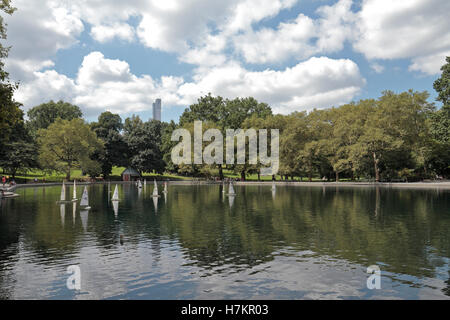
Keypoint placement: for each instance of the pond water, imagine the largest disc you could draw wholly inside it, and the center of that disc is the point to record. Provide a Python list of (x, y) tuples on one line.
[(197, 243)]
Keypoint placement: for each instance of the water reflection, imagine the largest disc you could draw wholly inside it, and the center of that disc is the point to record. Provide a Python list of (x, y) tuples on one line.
[(116, 208), (155, 203), (296, 243), (231, 200), (84, 215), (74, 212), (62, 209)]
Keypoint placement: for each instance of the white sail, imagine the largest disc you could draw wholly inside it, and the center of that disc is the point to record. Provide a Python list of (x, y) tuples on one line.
[(63, 192), (140, 184), (116, 194), (223, 188), (85, 198), (273, 186), (231, 189), (155, 189), (145, 182), (74, 190), (165, 187)]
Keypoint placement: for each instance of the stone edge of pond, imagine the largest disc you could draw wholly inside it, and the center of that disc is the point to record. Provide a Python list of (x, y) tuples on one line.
[(411, 185)]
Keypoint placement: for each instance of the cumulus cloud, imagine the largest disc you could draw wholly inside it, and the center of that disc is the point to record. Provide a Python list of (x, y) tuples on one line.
[(105, 33), (101, 84), (36, 32), (217, 37), (412, 29), (107, 84), (301, 38), (315, 83)]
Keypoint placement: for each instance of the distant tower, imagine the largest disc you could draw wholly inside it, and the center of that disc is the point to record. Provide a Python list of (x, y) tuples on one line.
[(157, 110)]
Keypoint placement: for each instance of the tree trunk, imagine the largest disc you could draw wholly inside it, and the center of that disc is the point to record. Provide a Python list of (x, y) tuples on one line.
[(220, 172), (274, 178), (259, 175), (68, 171), (377, 170), (337, 176), (242, 175)]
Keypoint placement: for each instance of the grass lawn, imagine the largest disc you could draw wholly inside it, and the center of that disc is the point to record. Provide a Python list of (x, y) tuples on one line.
[(116, 176), (77, 174)]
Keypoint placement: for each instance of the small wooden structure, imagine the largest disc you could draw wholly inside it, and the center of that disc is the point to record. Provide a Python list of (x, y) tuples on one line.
[(130, 174)]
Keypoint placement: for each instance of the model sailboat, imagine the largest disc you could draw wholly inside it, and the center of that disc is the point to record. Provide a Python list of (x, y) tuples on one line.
[(155, 190), (62, 198), (74, 191), (231, 192), (115, 196), (84, 204), (63, 192), (165, 188)]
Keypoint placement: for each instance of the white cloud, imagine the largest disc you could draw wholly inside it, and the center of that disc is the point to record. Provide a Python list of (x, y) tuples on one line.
[(430, 64), (44, 86), (102, 84), (247, 12), (96, 69), (411, 29), (107, 84), (105, 33), (317, 82), (378, 68), (214, 36), (301, 38), (39, 29)]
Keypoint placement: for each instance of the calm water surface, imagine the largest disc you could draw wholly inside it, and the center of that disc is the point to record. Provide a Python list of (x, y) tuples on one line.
[(296, 243)]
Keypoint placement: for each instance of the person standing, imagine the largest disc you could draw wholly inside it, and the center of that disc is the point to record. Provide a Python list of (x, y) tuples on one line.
[(3, 180)]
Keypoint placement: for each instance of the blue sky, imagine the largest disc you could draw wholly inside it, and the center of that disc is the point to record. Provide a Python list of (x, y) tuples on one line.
[(293, 54)]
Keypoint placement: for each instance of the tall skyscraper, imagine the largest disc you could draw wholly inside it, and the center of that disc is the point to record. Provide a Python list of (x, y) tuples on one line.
[(157, 110)]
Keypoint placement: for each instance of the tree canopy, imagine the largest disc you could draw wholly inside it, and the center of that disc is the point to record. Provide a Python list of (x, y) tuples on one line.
[(43, 115), (68, 144)]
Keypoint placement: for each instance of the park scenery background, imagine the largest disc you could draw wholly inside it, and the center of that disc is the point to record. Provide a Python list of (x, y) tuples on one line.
[(391, 136), (358, 90)]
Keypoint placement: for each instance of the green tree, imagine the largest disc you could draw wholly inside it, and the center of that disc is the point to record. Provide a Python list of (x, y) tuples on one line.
[(10, 113), (108, 129), (68, 144), (225, 114), (144, 142), (43, 115), (167, 145), (20, 152), (442, 85)]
